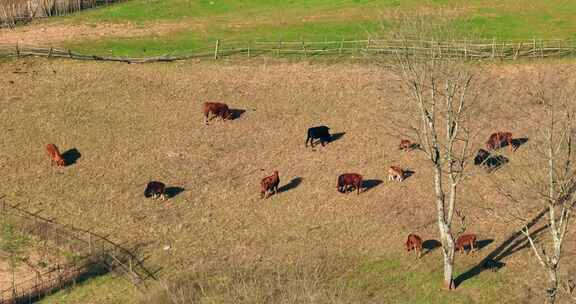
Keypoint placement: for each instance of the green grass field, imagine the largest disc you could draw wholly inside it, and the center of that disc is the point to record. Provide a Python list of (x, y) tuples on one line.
[(198, 24)]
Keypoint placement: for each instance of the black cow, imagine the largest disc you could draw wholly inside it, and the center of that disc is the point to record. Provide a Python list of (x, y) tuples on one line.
[(490, 161), (321, 133), (155, 190)]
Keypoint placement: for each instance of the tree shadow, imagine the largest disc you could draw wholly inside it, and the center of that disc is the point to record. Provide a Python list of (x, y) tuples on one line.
[(517, 142), (71, 156), (493, 265), (430, 245), (336, 136), (514, 243), (370, 183), (236, 113), (173, 191), (483, 243), (291, 185)]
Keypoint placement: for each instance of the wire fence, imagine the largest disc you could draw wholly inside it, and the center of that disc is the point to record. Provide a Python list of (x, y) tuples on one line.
[(93, 251), (369, 48)]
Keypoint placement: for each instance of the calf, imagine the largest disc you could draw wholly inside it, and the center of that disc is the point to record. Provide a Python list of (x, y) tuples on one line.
[(395, 173), (54, 155), (465, 240), (269, 184), (406, 145), (498, 140), (349, 179), (414, 242), (321, 133), (155, 190), (218, 109)]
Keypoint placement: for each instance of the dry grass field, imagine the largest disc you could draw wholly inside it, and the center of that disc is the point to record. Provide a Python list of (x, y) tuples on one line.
[(310, 244)]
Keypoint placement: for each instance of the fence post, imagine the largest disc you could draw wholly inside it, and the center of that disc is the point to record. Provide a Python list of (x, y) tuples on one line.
[(18, 49), (304, 48), (89, 243), (541, 48), (216, 48), (341, 46), (248, 48), (465, 49), (493, 47), (535, 50)]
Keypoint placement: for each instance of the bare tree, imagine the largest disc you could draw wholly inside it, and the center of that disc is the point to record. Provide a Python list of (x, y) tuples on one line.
[(440, 93), (548, 181), (558, 134)]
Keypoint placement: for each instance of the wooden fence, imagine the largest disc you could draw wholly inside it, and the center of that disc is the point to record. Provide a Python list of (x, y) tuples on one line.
[(92, 249), (13, 12), (369, 48)]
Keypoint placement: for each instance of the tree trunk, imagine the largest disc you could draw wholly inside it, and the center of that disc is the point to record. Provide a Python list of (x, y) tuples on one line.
[(552, 286), (444, 229), (448, 269)]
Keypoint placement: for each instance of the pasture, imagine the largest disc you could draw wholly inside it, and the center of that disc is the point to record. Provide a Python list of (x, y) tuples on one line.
[(310, 244), (146, 28)]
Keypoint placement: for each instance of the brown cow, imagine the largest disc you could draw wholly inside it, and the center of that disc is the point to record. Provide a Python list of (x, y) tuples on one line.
[(396, 173), (498, 140), (269, 183), (218, 109), (414, 242), (406, 145), (465, 240), (349, 179), (54, 155)]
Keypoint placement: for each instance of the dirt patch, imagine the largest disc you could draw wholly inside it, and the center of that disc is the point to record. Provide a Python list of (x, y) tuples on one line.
[(54, 34)]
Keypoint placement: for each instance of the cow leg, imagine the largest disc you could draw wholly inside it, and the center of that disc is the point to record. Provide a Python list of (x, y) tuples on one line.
[(307, 139)]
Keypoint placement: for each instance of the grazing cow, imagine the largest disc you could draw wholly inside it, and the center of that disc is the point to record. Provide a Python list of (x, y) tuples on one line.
[(406, 145), (465, 240), (155, 190), (498, 140), (349, 179), (269, 184), (54, 155), (481, 156), (396, 173), (489, 161), (414, 242), (321, 133), (218, 109)]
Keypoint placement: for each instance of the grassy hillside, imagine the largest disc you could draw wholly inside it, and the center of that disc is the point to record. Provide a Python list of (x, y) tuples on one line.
[(187, 24), (133, 123)]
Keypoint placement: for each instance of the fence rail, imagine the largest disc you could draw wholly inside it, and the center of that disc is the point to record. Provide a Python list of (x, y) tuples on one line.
[(466, 50), (93, 249)]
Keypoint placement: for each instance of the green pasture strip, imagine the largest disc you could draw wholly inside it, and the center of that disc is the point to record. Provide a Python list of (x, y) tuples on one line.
[(190, 42), (99, 289), (147, 11), (394, 280)]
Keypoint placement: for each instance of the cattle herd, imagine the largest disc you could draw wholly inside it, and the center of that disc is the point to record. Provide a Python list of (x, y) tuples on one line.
[(346, 182)]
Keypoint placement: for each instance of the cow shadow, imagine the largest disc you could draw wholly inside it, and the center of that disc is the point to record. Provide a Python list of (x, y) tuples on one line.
[(173, 191), (336, 136), (408, 173), (370, 183), (518, 142), (483, 243), (71, 156), (430, 245), (236, 113), (495, 162), (291, 185)]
